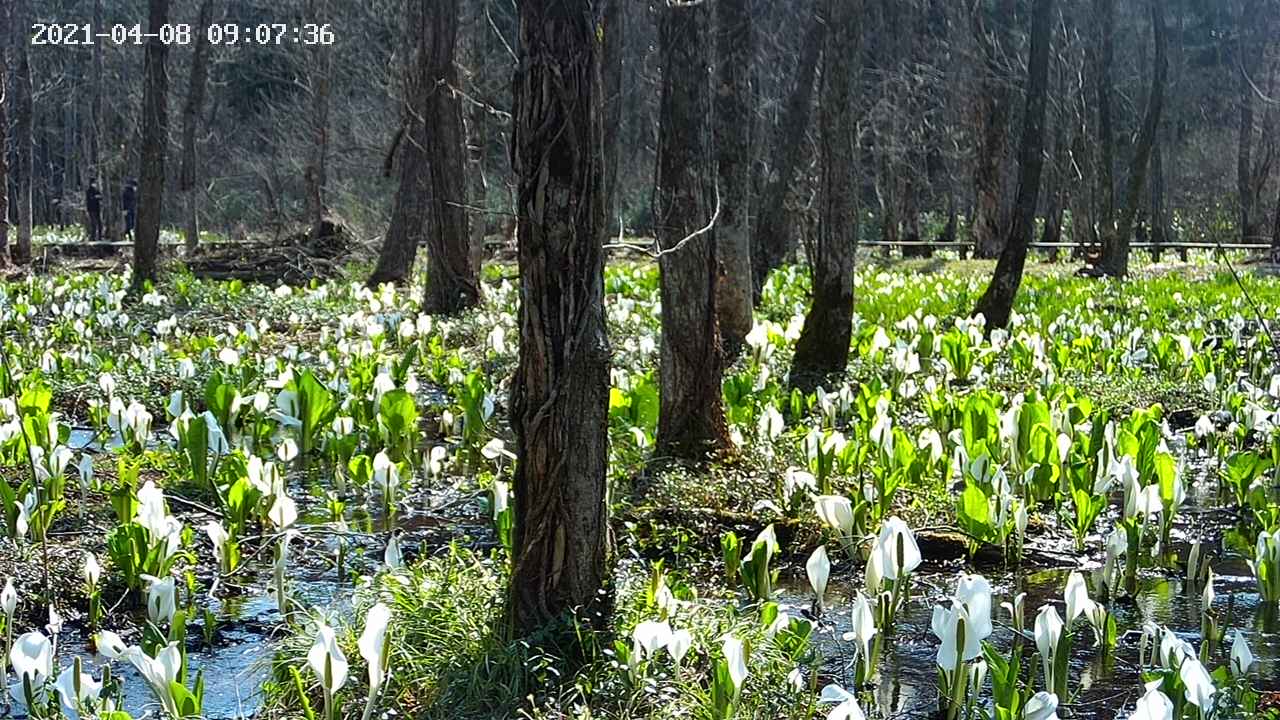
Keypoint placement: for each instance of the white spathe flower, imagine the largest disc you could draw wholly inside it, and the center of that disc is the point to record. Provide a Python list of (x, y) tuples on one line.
[(1048, 631), (836, 511), (1199, 686), (109, 644), (818, 569), (283, 512), (75, 693), (1076, 596), (895, 560), (373, 644), (162, 599), (974, 592), (735, 655), (393, 557), (32, 657), (650, 636), (327, 660), (1041, 706), (159, 672), (846, 708), (8, 598), (1241, 656), (862, 628), (495, 449), (1154, 705), (946, 624), (679, 644), (92, 570)]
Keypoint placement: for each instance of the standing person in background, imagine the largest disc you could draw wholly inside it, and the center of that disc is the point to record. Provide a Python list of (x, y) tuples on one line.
[(129, 202), (93, 206)]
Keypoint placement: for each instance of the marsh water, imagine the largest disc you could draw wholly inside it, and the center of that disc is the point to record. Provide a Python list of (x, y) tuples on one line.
[(1102, 688), (238, 662)]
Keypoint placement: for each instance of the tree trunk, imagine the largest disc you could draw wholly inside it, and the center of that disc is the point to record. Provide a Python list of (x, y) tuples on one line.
[(733, 116), (1115, 248), (1159, 212), (432, 159), (560, 392), (189, 176), (611, 75), (691, 419), (6, 19), (453, 282), (1057, 172), (773, 237), (993, 127), (1104, 58), (478, 46), (155, 140), (315, 175), (24, 144), (996, 304), (823, 348)]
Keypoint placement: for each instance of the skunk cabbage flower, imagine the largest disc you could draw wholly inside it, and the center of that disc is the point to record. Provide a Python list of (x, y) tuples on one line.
[(1041, 706), (735, 655), (76, 692), (650, 636), (863, 627), (846, 703), (1241, 656), (818, 568), (327, 660), (376, 650)]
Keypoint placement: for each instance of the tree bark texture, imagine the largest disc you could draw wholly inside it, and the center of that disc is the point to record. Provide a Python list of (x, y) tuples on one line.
[(5, 19), (189, 174), (773, 237), (432, 162), (155, 135), (733, 118), (315, 175), (23, 142), (996, 304), (560, 393), (691, 420), (1115, 248), (1104, 57), (993, 101), (823, 348)]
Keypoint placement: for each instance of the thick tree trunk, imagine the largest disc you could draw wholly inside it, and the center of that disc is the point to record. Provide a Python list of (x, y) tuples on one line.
[(996, 304), (691, 419), (155, 141), (1104, 58), (453, 282), (315, 175), (995, 40), (23, 142), (5, 20), (823, 348), (611, 75), (1115, 247), (773, 237), (432, 160), (1057, 174), (478, 47), (560, 393), (189, 176), (733, 117)]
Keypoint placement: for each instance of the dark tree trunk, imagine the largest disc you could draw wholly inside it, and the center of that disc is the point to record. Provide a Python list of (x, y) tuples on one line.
[(432, 161), (733, 116), (911, 237), (315, 175), (5, 19), (560, 393), (1159, 211), (189, 176), (773, 237), (823, 348), (691, 419), (995, 40), (1104, 58), (155, 142), (996, 304), (479, 47), (1115, 248), (24, 144), (1057, 173), (611, 75), (1252, 173)]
